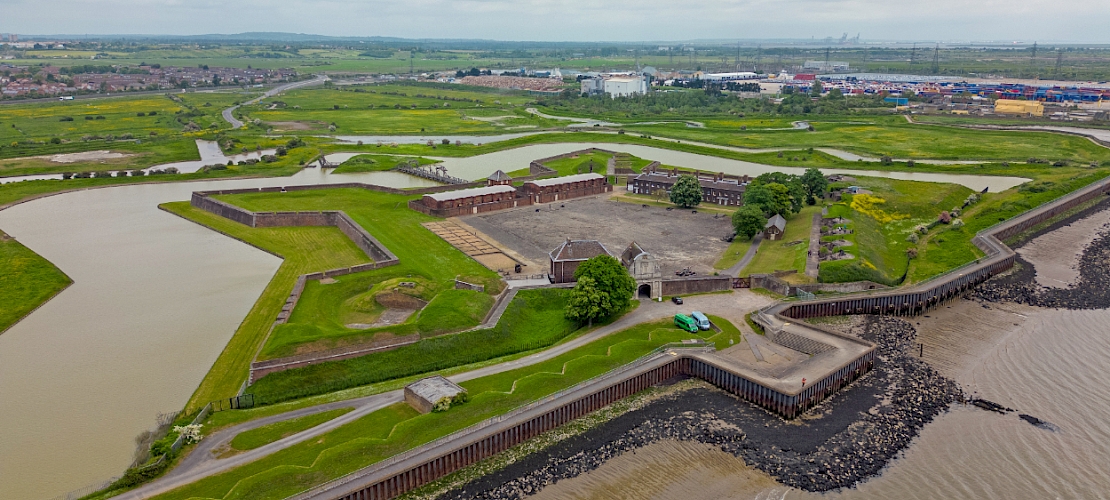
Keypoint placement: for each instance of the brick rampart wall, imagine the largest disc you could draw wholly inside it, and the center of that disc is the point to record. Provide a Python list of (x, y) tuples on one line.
[(686, 286)]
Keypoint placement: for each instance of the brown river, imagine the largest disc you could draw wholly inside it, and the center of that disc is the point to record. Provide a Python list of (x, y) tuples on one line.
[(1043, 362), (155, 298)]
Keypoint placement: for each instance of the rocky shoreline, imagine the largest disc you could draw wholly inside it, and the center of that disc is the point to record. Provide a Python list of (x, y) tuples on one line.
[(1090, 291), (848, 439)]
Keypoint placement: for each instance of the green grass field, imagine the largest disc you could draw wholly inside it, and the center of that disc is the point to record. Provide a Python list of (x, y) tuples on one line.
[(879, 246), (26, 282), (733, 253), (786, 253), (267, 434), (386, 216), (893, 136), (397, 110), (377, 163), (390, 431), (305, 250), (533, 320)]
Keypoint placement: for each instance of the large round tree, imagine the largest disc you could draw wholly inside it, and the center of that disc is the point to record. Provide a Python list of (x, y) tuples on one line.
[(604, 288), (686, 191), (748, 221)]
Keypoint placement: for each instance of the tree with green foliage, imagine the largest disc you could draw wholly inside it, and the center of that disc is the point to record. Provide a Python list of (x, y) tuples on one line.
[(748, 221), (814, 182), (772, 199), (686, 191), (603, 288), (793, 185), (587, 302)]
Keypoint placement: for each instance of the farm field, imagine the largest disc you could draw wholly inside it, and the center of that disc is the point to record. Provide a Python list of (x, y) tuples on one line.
[(397, 110), (892, 136)]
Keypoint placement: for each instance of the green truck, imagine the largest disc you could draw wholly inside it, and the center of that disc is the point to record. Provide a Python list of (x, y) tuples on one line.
[(686, 323)]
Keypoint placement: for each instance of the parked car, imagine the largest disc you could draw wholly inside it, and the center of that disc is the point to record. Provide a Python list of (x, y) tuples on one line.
[(677, 300), (700, 319), (686, 323)]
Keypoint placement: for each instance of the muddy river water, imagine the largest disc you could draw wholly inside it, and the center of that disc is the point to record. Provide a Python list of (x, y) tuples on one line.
[(154, 300)]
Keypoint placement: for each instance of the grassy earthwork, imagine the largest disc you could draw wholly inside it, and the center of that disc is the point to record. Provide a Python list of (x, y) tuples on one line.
[(254, 438), (304, 249), (314, 326), (881, 223), (26, 282), (787, 253), (395, 429), (377, 163)]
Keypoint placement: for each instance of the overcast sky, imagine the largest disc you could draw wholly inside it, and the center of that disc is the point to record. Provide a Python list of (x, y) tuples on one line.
[(577, 20)]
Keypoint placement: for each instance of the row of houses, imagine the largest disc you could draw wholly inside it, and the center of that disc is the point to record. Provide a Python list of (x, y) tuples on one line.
[(148, 78), (717, 189), (499, 194)]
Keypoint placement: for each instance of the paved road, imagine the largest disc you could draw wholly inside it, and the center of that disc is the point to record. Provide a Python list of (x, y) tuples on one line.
[(748, 256), (235, 123), (813, 257), (200, 462)]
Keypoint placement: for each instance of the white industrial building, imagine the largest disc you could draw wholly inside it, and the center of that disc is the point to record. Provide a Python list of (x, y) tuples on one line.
[(615, 85), (730, 77)]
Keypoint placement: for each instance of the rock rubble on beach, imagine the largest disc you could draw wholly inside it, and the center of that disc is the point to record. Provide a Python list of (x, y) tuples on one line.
[(847, 439), (1090, 291)]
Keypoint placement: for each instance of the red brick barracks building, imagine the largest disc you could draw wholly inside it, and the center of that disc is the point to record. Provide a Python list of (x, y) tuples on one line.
[(717, 190), (500, 194)]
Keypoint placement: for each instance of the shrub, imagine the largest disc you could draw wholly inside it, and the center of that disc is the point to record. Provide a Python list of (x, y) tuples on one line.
[(152, 113), (55, 140), (127, 136), (171, 170), (138, 173), (67, 175), (65, 119), (446, 142), (911, 253), (140, 113), (90, 117), (944, 217), (886, 160), (100, 117), (909, 163), (957, 223), (269, 158), (912, 238)]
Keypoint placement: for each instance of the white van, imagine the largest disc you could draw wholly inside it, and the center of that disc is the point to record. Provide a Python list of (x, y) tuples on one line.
[(700, 319)]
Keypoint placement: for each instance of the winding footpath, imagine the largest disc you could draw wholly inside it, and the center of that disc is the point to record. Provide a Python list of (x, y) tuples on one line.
[(235, 123)]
